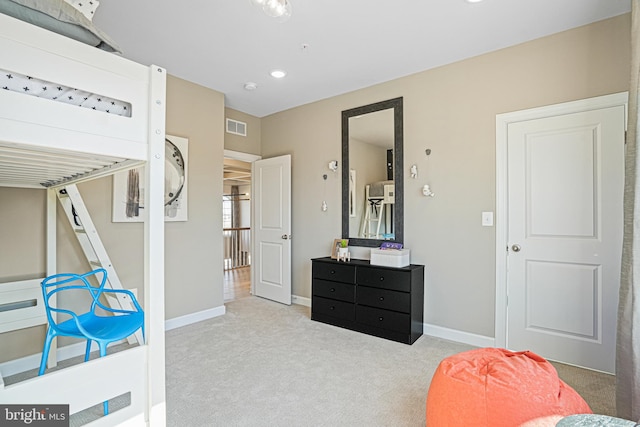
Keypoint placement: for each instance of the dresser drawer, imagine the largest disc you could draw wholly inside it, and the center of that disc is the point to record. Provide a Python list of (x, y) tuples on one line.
[(334, 272), (384, 278), (333, 308), (385, 319), (384, 298), (335, 290)]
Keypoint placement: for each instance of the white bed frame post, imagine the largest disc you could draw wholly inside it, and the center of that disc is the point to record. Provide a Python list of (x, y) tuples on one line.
[(154, 252), (52, 260)]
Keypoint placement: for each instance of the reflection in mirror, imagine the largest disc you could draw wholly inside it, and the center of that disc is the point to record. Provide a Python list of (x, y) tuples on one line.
[(372, 173), (371, 162)]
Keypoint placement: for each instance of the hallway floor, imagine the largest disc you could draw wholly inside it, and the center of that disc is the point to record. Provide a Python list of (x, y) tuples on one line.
[(237, 283)]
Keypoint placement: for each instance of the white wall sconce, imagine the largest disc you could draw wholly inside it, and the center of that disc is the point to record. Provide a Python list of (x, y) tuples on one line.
[(323, 206), (426, 191), (333, 165)]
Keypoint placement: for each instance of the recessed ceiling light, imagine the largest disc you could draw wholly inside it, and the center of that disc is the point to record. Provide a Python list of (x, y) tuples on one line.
[(278, 74), (250, 86), (474, 1)]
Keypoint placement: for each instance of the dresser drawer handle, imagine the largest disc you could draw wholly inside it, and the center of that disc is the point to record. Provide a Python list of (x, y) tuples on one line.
[(333, 272), (332, 308), (381, 318), (381, 298), (332, 289), (381, 278)]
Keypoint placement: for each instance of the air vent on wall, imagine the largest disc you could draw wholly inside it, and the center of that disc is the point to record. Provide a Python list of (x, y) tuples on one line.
[(237, 128)]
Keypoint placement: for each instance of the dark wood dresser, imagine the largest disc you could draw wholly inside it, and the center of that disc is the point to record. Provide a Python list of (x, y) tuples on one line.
[(387, 302)]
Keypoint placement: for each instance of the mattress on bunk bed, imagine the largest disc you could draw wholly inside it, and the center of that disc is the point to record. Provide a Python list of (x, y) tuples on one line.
[(60, 17), (376, 189), (35, 87)]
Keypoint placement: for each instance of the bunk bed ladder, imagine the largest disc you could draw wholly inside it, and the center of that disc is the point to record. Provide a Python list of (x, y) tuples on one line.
[(370, 206), (80, 220), (369, 219)]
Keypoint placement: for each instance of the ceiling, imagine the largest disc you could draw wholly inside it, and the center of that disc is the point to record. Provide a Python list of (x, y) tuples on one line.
[(327, 47)]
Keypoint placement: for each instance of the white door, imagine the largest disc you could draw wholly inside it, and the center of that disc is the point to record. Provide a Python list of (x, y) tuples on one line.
[(272, 228), (565, 185)]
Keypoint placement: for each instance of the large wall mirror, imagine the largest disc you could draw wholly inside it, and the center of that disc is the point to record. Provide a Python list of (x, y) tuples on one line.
[(372, 174)]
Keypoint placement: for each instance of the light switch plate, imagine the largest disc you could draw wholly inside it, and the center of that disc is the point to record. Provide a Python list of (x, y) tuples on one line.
[(487, 219)]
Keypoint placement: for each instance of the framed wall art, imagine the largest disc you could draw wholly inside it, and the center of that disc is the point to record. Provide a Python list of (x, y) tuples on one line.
[(128, 186)]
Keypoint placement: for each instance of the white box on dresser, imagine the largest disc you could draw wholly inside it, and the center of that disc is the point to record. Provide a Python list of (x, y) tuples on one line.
[(390, 257)]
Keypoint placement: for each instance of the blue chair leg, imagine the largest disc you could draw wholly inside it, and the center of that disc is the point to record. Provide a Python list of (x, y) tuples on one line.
[(103, 352), (45, 352), (87, 351)]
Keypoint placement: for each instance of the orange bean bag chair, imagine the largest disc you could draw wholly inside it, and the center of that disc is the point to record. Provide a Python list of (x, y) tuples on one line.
[(499, 388)]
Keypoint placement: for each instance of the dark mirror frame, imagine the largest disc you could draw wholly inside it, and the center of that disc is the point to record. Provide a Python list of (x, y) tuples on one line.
[(398, 170)]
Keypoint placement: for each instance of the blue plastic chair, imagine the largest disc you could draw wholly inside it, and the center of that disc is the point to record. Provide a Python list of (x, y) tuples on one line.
[(99, 323)]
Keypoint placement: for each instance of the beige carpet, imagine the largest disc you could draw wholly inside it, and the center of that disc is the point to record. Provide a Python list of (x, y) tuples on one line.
[(598, 389), (266, 364)]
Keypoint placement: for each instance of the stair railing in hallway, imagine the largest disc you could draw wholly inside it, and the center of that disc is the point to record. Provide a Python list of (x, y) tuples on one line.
[(237, 247)]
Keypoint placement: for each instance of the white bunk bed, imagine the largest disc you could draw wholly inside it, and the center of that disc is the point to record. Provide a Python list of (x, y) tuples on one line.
[(44, 143)]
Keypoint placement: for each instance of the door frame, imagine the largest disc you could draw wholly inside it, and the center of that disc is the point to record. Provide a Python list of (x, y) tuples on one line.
[(249, 158), (502, 200)]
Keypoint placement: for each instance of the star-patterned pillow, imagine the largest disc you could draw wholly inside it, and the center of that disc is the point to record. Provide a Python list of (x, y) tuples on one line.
[(87, 7)]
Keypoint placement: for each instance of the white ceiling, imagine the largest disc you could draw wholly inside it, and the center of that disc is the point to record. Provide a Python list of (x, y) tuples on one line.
[(222, 44)]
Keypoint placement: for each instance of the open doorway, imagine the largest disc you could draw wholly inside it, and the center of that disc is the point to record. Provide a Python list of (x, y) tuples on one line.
[(236, 224)]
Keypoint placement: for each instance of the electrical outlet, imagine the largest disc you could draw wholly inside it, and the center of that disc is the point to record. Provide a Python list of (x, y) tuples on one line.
[(487, 219)]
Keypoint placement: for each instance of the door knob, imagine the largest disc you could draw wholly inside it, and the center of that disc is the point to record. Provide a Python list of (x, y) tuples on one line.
[(515, 248), (286, 236)]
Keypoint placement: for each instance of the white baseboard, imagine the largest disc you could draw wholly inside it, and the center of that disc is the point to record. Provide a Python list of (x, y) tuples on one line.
[(16, 366), (199, 316), (295, 299), (458, 336), (26, 363)]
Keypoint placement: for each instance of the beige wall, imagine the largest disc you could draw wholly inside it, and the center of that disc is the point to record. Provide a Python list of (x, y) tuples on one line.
[(193, 250), (22, 256), (452, 111), (195, 247), (244, 144)]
